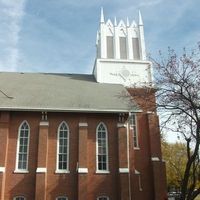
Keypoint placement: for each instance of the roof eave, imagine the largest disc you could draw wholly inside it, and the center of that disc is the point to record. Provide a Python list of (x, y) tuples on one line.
[(86, 110)]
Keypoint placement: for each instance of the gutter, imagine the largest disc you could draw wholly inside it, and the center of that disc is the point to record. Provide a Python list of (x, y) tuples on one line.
[(47, 109)]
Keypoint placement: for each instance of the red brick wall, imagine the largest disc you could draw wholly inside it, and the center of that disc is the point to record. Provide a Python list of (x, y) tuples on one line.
[(67, 184), (17, 184), (141, 161), (153, 177)]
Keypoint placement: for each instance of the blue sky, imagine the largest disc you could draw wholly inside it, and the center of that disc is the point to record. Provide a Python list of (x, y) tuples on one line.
[(59, 35)]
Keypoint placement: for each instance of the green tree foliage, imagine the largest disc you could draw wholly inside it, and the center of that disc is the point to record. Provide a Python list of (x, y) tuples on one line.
[(175, 156)]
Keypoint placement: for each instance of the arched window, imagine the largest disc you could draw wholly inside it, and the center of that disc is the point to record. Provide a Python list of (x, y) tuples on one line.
[(19, 198), (62, 198), (63, 148), (133, 126), (102, 198), (102, 147), (23, 147)]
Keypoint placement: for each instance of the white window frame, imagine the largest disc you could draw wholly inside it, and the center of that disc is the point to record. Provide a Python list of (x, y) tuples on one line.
[(106, 197), (134, 128), (57, 198), (15, 198), (17, 170), (107, 157), (57, 153)]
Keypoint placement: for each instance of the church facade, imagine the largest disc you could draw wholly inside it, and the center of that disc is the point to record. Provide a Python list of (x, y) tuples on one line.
[(84, 137)]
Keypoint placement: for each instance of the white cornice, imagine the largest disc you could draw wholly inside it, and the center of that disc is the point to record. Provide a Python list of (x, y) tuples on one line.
[(124, 61), (83, 124), (123, 170), (120, 125), (41, 170), (137, 172), (82, 170), (2, 169), (44, 123), (155, 159)]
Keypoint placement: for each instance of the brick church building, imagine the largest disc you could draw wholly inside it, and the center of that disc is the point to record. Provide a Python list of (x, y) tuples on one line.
[(84, 137)]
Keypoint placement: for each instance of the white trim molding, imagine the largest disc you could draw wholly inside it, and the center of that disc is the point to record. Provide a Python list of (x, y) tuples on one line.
[(150, 112), (123, 170), (139, 180), (24, 126), (2, 169), (134, 127), (17, 171), (103, 197), (62, 171), (155, 159), (102, 172), (22, 108), (62, 127), (82, 170), (19, 197), (44, 123), (83, 124), (41, 170), (137, 172), (120, 125), (101, 127)]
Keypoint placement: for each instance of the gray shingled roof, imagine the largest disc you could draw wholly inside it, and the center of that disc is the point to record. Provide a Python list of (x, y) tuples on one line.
[(61, 92)]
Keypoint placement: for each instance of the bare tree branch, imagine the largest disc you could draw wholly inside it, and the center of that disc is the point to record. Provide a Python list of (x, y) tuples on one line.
[(178, 97)]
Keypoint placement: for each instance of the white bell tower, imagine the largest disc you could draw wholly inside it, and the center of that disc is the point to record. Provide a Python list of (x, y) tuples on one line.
[(121, 54)]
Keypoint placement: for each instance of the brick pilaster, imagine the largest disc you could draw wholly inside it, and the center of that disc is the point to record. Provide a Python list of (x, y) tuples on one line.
[(82, 161), (158, 166), (41, 171), (159, 179), (154, 135), (123, 162), (4, 131)]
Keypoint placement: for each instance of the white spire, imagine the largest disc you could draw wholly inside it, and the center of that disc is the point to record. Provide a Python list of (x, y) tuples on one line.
[(140, 19), (115, 21), (127, 22), (102, 16), (97, 38), (141, 38)]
